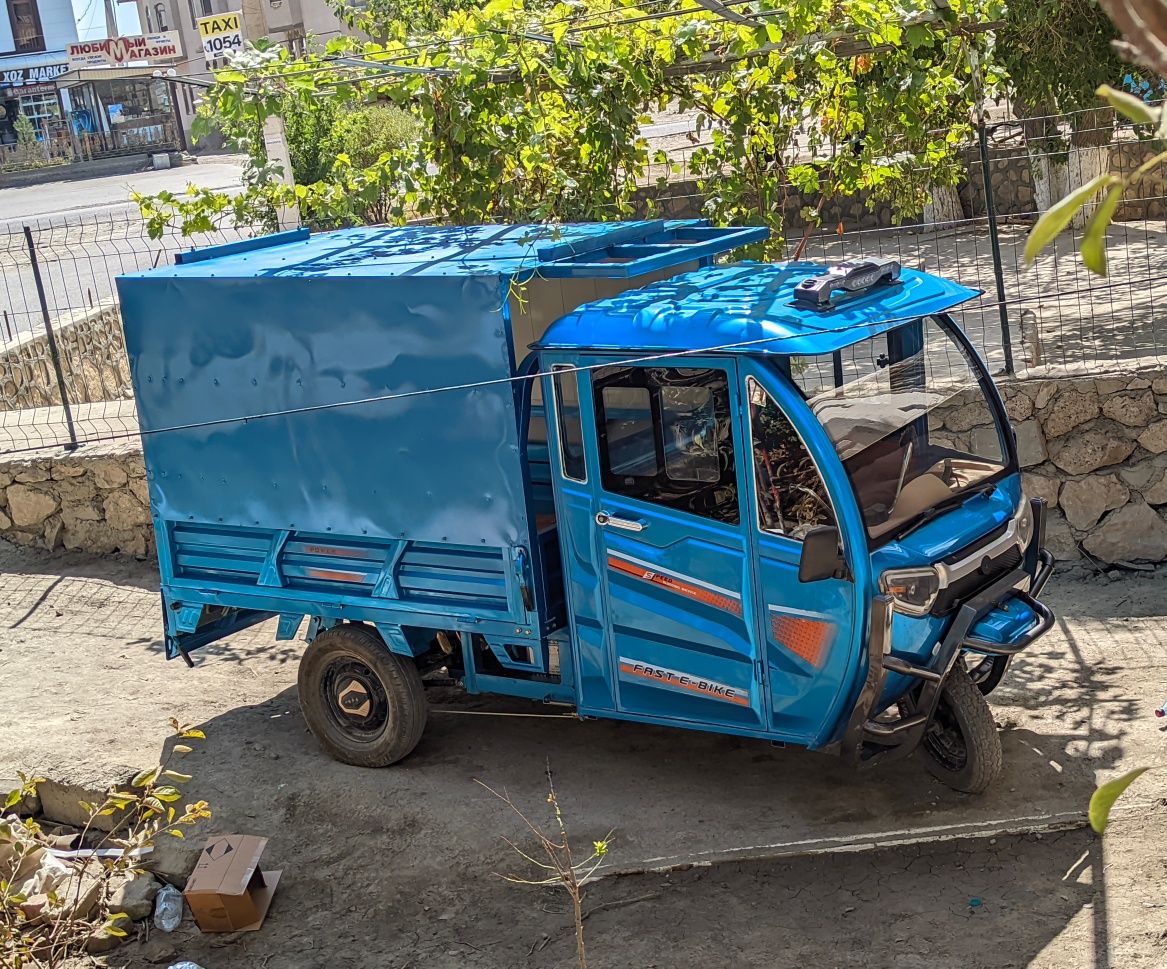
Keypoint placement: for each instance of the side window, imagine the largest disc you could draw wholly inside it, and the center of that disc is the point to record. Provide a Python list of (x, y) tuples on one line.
[(571, 451), (666, 436), (792, 498)]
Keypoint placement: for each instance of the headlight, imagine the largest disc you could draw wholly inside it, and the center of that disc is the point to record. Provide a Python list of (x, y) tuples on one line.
[(1025, 522), (913, 591)]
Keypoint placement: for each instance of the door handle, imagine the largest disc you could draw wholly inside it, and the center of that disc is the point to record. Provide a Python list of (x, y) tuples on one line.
[(603, 519)]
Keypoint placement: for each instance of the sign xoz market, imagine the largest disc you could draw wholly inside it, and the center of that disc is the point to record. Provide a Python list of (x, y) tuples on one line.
[(21, 76), (221, 34), (116, 51)]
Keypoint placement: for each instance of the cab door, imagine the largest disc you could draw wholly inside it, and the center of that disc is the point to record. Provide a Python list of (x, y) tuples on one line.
[(671, 545), (812, 631)]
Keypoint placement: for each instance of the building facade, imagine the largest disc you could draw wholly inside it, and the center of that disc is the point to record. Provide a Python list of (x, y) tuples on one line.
[(297, 24), (33, 38)]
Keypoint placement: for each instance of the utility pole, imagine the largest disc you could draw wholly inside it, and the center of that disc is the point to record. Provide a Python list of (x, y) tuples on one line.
[(111, 19)]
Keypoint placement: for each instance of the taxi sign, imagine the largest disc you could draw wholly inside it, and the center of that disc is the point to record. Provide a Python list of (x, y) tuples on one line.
[(221, 34)]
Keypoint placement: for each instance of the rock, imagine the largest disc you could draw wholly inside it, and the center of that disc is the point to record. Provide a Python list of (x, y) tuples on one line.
[(1041, 486), (61, 470), (1157, 493), (108, 474), (1030, 443), (1045, 394), (1134, 410), (33, 474), (1086, 500), (1089, 451), (1154, 439), (1132, 533), (95, 536), (1060, 540), (140, 489), (73, 512), (1139, 475), (76, 489), (967, 417), (156, 951), (124, 512), (100, 941), (5, 522), (132, 893), (172, 859), (1069, 409), (53, 532), (1019, 407), (28, 806), (66, 786), (1159, 385), (5, 479), (1139, 383), (1109, 385), (1163, 407), (29, 507)]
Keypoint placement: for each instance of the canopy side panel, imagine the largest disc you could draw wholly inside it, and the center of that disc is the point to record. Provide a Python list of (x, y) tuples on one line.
[(440, 467)]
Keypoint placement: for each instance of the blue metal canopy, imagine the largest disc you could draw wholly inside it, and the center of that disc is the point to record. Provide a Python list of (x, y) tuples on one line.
[(585, 250), (748, 307)]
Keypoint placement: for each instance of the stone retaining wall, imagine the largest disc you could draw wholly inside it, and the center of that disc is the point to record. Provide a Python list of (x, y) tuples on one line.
[(90, 501), (93, 360), (1094, 447)]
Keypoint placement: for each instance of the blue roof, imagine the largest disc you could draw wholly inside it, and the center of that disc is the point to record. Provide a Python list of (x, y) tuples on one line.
[(749, 305), (571, 250)]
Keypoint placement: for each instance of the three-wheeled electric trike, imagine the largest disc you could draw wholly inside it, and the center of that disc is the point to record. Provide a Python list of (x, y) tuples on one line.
[(590, 465)]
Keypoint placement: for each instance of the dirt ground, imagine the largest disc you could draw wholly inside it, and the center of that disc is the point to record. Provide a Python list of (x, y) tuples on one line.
[(395, 868)]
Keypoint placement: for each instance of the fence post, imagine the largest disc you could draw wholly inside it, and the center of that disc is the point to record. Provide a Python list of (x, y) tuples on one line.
[(54, 352), (995, 241)]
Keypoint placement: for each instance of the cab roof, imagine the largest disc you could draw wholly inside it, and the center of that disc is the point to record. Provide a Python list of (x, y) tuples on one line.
[(747, 307)]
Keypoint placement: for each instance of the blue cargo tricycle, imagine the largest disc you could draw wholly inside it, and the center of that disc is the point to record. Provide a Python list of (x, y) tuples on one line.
[(587, 465)]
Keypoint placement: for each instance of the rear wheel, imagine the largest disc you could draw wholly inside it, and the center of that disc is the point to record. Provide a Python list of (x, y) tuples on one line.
[(962, 748), (364, 704)]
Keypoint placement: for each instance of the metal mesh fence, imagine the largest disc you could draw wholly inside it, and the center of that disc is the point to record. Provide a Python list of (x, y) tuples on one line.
[(64, 374), (64, 377)]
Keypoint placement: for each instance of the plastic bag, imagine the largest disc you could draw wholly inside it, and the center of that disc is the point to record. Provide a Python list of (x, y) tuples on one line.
[(168, 909)]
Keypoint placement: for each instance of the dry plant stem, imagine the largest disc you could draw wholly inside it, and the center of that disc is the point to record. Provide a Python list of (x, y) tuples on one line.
[(562, 868), (1143, 24)]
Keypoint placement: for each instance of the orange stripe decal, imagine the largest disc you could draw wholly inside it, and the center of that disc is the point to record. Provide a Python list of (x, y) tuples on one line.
[(679, 586), (683, 681), (334, 576), (807, 639)]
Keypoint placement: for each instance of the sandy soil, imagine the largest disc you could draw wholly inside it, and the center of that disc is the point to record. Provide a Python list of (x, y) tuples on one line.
[(395, 868)]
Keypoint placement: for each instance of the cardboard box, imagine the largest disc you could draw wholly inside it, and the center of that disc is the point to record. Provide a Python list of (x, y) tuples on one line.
[(228, 891)]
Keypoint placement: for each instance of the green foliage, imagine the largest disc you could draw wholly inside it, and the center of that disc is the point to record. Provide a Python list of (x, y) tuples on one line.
[(367, 133), (25, 131), (52, 928), (534, 113), (1056, 53), (1093, 246), (1104, 797)]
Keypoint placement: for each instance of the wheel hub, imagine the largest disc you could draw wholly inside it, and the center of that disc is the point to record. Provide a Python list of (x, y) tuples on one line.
[(356, 699)]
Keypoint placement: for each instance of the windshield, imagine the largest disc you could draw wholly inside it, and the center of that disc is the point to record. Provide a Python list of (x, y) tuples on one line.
[(908, 414)]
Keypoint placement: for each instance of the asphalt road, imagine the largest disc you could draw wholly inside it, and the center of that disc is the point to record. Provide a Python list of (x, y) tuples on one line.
[(58, 201)]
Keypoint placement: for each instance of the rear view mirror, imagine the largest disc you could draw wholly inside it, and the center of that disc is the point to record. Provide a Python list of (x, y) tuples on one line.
[(822, 558)]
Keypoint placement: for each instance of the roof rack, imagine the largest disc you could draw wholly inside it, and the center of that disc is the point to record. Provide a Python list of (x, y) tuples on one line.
[(854, 278)]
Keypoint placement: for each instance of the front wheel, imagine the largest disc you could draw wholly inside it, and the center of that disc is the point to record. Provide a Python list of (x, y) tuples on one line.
[(364, 704), (961, 747)]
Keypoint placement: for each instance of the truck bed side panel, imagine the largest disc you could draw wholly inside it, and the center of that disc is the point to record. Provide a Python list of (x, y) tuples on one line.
[(289, 353)]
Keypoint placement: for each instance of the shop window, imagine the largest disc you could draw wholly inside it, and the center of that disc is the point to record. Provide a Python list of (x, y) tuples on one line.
[(665, 436), (792, 498), (27, 34)]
